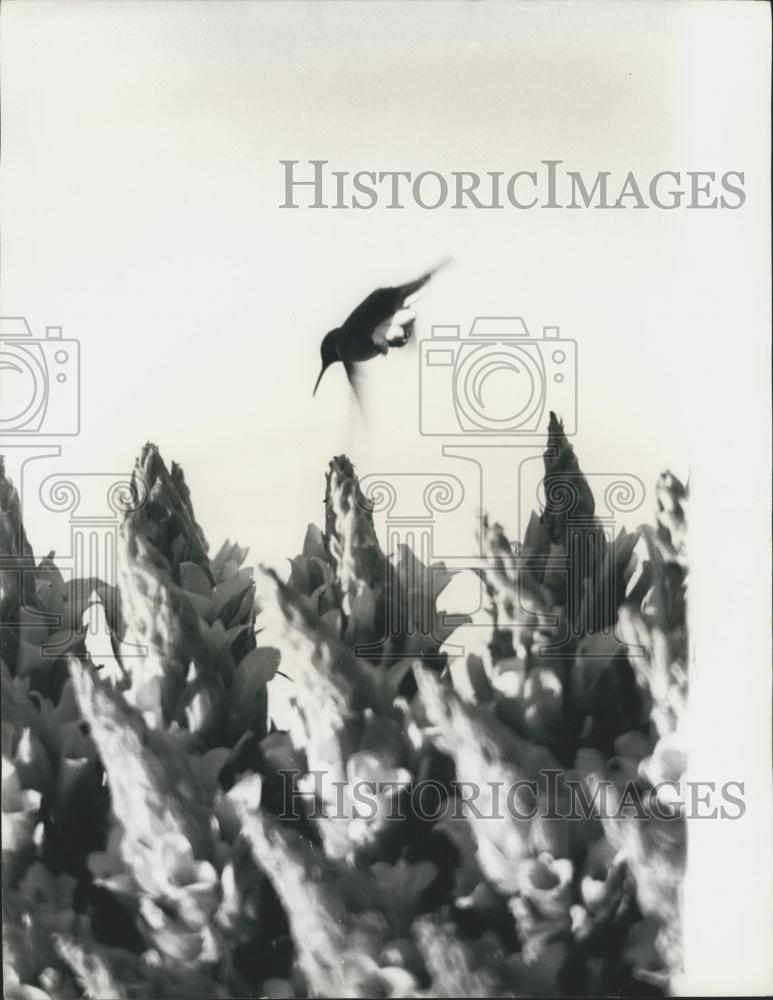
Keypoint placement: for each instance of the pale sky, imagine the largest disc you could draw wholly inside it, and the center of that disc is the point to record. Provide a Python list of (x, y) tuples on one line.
[(142, 185)]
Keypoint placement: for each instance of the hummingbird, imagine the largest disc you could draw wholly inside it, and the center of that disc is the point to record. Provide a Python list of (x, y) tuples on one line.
[(382, 320)]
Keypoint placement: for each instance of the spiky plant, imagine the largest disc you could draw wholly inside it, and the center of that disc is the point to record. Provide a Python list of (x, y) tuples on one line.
[(161, 838)]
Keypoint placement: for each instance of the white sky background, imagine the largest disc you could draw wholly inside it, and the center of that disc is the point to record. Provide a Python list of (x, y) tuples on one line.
[(141, 164), (141, 187)]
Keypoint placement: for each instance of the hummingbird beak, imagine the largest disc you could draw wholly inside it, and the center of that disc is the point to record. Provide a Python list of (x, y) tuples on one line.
[(319, 379)]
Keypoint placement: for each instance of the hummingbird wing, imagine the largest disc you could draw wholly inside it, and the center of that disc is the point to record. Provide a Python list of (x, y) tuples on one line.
[(380, 306), (409, 293), (355, 381)]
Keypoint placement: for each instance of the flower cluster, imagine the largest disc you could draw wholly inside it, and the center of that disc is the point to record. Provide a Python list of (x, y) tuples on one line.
[(162, 837)]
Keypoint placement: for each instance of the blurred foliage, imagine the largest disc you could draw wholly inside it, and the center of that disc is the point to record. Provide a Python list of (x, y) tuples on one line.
[(147, 846)]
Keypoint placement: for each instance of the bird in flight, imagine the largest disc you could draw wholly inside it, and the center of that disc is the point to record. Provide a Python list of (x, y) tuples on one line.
[(384, 319)]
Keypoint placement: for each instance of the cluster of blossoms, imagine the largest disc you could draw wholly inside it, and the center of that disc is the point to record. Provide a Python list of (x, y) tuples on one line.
[(148, 850)]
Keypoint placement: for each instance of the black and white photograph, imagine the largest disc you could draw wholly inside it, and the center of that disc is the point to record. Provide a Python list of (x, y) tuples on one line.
[(385, 499)]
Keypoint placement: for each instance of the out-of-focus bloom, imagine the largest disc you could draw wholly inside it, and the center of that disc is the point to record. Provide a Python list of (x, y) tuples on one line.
[(671, 517), (23, 732), (658, 625), (21, 815), (52, 753), (666, 767), (661, 672), (25, 752), (542, 904), (26, 778), (542, 701), (399, 888), (338, 945), (331, 686), (154, 793), (654, 851), (491, 761), (459, 969), (171, 660), (163, 816), (91, 967), (358, 813), (644, 955), (41, 907), (602, 889), (119, 973), (350, 536), (359, 816)]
